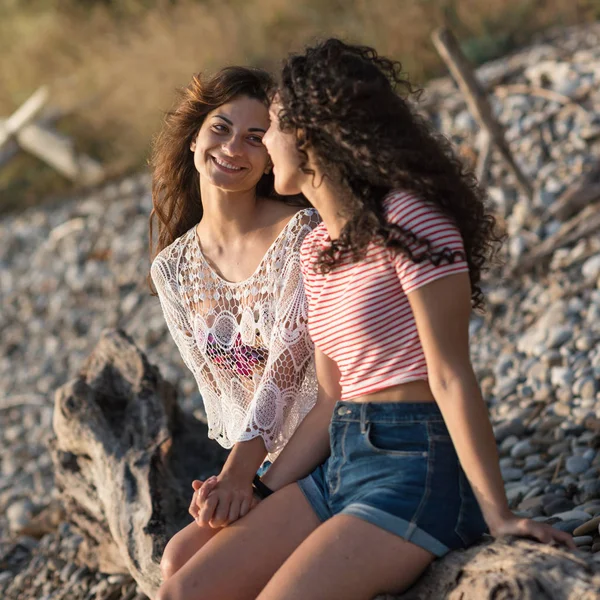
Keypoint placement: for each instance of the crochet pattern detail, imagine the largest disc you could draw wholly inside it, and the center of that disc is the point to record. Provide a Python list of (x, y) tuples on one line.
[(246, 343)]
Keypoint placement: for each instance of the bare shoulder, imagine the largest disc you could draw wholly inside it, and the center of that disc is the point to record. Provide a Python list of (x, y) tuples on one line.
[(276, 214)]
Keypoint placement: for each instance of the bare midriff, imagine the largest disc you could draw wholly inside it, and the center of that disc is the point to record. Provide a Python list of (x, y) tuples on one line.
[(413, 391)]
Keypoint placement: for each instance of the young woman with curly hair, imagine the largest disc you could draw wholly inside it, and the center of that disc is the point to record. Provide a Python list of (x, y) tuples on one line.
[(227, 273), (397, 462)]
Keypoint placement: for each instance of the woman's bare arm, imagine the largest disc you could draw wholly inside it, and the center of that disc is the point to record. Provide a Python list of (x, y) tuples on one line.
[(306, 449), (309, 446), (442, 310), (228, 496)]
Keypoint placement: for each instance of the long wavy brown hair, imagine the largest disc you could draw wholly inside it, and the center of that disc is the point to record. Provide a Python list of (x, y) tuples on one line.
[(351, 107), (176, 201)]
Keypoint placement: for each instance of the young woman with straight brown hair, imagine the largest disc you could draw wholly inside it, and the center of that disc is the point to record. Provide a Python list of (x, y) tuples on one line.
[(227, 273)]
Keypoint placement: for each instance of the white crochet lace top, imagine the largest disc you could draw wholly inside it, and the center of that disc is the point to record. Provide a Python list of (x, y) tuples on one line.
[(246, 343)]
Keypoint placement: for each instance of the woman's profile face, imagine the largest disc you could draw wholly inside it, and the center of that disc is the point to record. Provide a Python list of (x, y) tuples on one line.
[(284, 154), (228, 150)]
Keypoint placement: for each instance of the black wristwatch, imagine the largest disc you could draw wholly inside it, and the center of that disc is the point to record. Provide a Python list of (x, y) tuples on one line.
[(260, 489)]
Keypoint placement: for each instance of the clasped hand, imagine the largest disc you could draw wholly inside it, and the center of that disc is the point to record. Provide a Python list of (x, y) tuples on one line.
[(219, 501)]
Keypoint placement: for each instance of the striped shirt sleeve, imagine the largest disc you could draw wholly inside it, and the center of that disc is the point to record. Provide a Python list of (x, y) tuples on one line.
[(429, 223), (307, 266)]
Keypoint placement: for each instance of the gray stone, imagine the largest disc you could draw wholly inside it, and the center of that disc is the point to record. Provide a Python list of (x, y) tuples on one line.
[(514, 495), (583, 540), (568, 526), (28, 542), (525, 391), (67, 571), (532, 505), (591, 506), (506, 386), (585, 387), (572, 515), (512, 474), (584, 342), (591, 268), (517, 246), (507, 428), (559, 505), (508, 444), (561, 377), (590, 491), (559, 448), (522, 449), (559, 336), (534, 462), (576, 465), (591, 473), (19, 513), (5, 576), (534, 492)]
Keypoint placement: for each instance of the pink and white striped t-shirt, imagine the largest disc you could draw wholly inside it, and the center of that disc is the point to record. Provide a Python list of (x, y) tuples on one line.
[(359, 314)]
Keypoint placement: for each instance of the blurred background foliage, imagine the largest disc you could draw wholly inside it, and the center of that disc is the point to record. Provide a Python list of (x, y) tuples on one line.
[(113, 65)]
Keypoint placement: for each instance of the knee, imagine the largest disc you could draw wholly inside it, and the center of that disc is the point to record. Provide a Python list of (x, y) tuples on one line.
[(167, 569), (167, 592), (170, 562)]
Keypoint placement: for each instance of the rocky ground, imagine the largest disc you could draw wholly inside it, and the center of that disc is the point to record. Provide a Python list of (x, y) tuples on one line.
[(69, 271)]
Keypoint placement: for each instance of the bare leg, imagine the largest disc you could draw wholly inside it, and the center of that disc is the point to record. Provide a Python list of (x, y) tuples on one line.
[(347, 558), (237, 563), (182, 546)]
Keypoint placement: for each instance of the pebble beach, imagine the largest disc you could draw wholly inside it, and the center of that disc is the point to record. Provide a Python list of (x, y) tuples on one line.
[(72, 269)]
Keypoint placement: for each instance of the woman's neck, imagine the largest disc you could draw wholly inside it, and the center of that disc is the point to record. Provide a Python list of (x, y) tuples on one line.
[(227, 213), (328, 198)]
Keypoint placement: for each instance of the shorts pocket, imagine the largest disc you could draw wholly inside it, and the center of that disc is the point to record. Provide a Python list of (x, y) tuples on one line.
[(397, 439)]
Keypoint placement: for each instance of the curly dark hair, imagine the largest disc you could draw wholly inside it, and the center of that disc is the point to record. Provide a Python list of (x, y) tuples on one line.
[(177, 205), (351, 107)]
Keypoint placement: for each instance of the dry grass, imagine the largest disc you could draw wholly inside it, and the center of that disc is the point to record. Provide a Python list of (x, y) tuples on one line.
[(115, 64)]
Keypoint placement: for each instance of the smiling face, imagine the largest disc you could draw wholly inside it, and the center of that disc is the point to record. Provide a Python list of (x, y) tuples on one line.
[(228, 150), (284, 153)]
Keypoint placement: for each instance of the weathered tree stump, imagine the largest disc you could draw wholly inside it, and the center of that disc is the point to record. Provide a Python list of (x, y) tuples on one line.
[(125, 455), (510, 569)]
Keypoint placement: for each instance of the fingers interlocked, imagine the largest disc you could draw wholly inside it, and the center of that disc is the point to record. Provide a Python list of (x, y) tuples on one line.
[(216, 504)]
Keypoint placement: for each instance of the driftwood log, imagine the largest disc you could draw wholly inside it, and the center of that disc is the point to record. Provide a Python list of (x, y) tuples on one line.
[(125, 454), (578, 208), (477, 100), (21, 132), (124, 457), (583, 224), (24, 115), (509, 569), (583, 192)]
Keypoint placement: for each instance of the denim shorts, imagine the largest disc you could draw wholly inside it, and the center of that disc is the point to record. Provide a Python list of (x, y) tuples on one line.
[(394, 465)]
